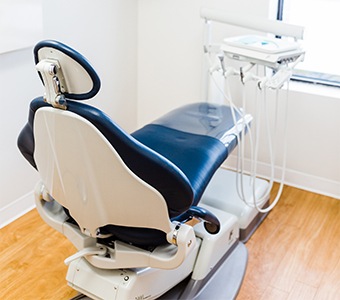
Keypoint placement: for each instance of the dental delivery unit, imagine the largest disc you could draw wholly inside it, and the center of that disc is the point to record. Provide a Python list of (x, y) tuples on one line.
[(153, 214)]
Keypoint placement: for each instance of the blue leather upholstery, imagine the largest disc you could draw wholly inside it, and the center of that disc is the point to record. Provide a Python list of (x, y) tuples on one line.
[(190, 138), (177, 154), (150, 166), (77, 57), (196, 155), (179, 164), (207, 119)]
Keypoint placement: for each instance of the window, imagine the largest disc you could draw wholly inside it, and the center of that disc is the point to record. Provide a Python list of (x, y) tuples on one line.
[(321, 20)]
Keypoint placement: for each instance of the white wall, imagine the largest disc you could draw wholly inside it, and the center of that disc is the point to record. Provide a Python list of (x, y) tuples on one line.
[(169, 75), (105, 32), (27, 27), (314, 139), (19, 84), (170, 48)]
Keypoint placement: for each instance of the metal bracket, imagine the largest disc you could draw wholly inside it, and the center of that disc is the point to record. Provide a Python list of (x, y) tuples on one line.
[(54, 82), (89, 251)]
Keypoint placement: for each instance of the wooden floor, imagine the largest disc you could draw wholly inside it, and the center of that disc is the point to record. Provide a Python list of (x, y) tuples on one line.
[(295, 254)]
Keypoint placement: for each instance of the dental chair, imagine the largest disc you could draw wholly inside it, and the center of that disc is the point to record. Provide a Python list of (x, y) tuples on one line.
[(130, 203)]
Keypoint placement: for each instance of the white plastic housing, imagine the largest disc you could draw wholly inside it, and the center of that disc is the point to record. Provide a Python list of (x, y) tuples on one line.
[(85, 174), (214, 246), (222, 194), (123, 284)]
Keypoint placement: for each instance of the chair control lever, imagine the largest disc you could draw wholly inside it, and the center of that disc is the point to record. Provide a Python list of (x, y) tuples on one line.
[(86, 252), (211, 222)]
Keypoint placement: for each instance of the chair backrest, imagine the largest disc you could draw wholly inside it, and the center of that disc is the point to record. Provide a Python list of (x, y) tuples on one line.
[(89, 165), (85, 174)]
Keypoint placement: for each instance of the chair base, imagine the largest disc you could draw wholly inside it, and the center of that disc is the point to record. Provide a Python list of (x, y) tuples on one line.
[(135, 283), (246, 233), (222, 193), (224, 280), (212, 254)]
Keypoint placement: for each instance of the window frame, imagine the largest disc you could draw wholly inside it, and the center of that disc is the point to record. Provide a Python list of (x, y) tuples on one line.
[(309, 76)]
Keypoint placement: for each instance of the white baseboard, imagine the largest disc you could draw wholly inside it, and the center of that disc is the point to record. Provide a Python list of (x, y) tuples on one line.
[(294, 178), (313, 184), (16, 209)]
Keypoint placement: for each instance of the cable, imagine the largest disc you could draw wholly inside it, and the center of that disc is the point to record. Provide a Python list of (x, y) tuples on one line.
[(246, 76), (233, 108), (283, 170)]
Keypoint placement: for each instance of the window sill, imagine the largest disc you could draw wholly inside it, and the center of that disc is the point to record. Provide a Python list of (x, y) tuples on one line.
[(315, 89)]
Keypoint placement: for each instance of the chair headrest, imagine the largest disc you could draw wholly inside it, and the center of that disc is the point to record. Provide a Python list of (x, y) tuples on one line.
[(65, 72)]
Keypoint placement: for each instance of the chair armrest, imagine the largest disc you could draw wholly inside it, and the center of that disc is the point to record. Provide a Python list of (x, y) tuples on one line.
[(211, 222)]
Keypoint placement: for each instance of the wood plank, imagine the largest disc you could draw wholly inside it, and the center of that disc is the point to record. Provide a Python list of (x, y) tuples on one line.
[(31, 260), (302, 291), (330, 286), (284, 249), (323, 254), (273, 293)]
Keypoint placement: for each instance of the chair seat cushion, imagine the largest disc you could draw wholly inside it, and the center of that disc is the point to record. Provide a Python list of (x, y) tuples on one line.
[(190, 137), (196, 155)]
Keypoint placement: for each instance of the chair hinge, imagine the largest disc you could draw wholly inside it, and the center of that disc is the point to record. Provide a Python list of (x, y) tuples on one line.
[(54, 82)]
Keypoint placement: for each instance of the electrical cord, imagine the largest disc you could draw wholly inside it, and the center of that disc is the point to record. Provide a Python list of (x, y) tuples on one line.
[(256, 203)]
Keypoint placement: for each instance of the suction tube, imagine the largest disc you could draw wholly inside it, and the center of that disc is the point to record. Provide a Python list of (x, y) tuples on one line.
[(255, 148)]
